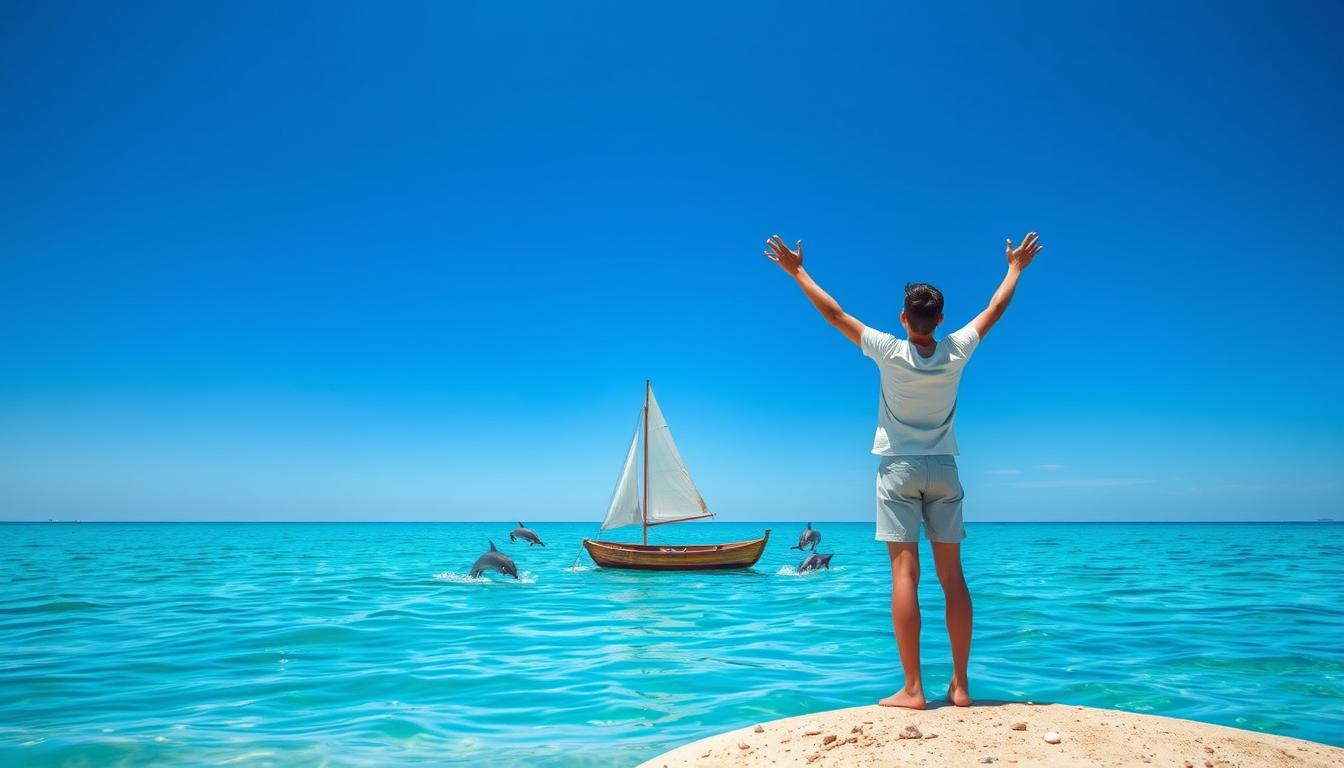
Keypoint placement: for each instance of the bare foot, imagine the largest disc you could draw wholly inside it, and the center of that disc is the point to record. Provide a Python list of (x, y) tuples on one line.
[(958, 694), (904, 698)]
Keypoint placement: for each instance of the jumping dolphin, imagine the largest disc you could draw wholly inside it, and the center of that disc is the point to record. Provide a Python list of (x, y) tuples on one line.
[(816, 562), (494, 560), (527, 534), (810, 537)]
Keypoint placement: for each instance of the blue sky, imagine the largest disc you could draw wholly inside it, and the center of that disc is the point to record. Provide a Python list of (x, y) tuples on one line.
[(415, 261)]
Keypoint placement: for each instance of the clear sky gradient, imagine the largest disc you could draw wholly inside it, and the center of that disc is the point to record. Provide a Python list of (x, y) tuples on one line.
[(415, 260)]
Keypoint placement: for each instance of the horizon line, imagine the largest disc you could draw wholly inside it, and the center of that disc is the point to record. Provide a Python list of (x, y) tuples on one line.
[(581, 522)]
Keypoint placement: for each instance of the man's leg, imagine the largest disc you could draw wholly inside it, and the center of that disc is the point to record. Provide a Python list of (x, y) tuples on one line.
[(947, 560), (899, 512), (905, 620), (942, 517)]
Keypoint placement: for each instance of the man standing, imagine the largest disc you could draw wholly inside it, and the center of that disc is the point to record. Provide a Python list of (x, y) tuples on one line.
[(917, 472)]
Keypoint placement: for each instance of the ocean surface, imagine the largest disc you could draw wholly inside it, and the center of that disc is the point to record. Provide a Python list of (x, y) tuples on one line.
[(367, 644)]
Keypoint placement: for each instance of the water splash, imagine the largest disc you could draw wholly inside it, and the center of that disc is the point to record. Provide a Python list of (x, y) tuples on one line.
[(789, 570), (452, 577)]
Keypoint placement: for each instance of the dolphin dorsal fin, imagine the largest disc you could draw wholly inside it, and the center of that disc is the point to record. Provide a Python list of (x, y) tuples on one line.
[(520, 525), (492, 546), (809, 526)]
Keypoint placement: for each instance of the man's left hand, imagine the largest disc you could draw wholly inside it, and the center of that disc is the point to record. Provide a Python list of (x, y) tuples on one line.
[(778, 252)]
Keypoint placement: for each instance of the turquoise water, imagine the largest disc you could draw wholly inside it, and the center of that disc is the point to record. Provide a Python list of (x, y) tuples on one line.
[(358, 644)]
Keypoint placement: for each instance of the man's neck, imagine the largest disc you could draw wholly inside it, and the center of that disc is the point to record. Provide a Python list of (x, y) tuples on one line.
[(923, 342)]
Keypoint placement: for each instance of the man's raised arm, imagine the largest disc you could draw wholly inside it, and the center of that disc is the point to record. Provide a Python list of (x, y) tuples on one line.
[(1018, 259), (792, 262)]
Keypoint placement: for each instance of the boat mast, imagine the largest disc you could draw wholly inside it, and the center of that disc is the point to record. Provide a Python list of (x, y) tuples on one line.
[(645, 510)]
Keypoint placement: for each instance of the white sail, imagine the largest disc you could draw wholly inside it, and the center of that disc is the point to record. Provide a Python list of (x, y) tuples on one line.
[(672, 495), (624, 509)]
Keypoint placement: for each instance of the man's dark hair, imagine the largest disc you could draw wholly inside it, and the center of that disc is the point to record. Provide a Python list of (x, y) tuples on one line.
[(923, 307)]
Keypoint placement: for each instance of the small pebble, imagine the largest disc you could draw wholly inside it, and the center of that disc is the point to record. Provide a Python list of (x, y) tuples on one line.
[(743, 745), (828, 738), (930, 735), (758, 729), (1208, 764), (1019, 726), (1209, 750), (811, 732), (1052, 738), (1188, 764), (812, 758), (910, 732), (986, 759)]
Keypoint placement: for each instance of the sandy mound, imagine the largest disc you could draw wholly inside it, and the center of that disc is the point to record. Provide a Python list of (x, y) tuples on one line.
[(995, 732)]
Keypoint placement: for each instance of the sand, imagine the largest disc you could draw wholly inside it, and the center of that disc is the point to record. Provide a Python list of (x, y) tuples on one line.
[(986, 734)]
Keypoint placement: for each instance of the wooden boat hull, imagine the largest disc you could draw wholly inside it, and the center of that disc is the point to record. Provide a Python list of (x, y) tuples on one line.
[(692, 557)]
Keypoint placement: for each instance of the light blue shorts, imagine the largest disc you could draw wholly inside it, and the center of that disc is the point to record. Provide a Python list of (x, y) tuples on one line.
[(915, 489)]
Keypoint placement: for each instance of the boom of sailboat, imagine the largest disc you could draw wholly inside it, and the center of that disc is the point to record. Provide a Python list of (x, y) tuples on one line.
[(668, 496)]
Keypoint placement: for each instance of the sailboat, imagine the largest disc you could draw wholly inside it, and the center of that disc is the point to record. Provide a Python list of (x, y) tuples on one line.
[(669, 496)]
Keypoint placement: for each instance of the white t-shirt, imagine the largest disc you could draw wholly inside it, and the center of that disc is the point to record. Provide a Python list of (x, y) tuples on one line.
[(919, 394)]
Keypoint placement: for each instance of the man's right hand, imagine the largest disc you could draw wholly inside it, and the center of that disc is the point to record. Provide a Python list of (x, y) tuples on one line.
[(1022, 255), (1018, 259)]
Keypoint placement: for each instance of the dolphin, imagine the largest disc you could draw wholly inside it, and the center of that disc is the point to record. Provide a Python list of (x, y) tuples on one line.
[(526, 534), (816, 562), (810, 537), (494, 560)]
